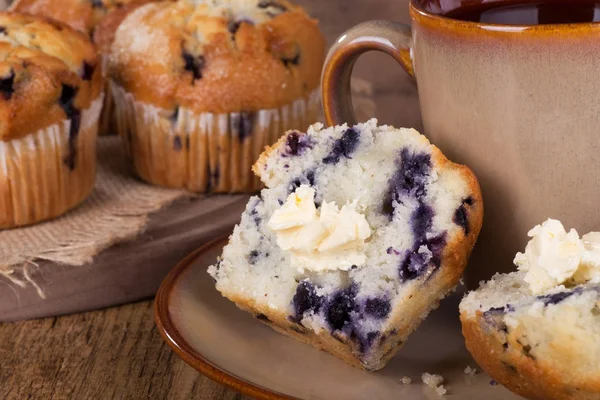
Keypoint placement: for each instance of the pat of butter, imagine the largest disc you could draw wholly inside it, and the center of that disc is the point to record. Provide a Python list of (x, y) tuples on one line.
[(320, 240), (554, 257)]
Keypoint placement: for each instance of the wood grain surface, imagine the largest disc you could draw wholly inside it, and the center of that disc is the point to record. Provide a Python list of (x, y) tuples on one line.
[(118, 353)]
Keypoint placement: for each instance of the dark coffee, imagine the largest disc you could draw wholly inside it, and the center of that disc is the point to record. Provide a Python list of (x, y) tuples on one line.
[(530, 13)]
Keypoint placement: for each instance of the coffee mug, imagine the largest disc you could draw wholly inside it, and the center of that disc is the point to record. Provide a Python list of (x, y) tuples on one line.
[(520, 105)]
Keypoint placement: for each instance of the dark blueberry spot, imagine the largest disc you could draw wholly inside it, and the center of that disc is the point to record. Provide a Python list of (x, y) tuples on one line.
[(280, 202), (424, 257), (3, 30), (7, 85), (511, 368), (67, 99), (556, 298), (66, 102), (177, 143), (493, 383), (173, 118), (378, 308), (291, 61), (305, 299), (409, 180), (307, 179), (87, 71), (422, 220), (193, 64), (253, 256), (234, 26), (97, 3), (340, 306), (243, 124), (391, 250), (505, 345), (495, 318), (368, 342), (263, 317), (461, 217), (296, 143), (344, 146), (272, 4)]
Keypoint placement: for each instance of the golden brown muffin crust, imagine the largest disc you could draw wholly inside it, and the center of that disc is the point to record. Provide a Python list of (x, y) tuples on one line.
[(48, 73), (219, 56), (83, 15)]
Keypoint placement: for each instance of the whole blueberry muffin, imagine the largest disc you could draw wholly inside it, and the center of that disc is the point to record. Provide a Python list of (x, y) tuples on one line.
[(50, 102), (202, 86), (359, 234), (86, 16), (536, 330)]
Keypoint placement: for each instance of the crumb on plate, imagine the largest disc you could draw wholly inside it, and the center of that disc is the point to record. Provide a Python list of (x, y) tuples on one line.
[(434, 381), (470, 371), (406, 380)]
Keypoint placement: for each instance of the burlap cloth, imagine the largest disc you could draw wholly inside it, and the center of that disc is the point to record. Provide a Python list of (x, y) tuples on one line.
[(118, 210)]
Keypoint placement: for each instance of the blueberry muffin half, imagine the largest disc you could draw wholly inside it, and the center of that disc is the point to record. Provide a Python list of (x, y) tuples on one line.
[(50, 101), (536, 330), (202, 86), (360, 233)]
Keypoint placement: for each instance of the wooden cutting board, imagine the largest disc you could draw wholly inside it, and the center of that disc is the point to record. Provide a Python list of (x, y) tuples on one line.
[(129, 271)]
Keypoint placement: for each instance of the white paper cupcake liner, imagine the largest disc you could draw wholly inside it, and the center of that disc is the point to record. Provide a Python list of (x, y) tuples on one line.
[(205, 153), (42, 175)]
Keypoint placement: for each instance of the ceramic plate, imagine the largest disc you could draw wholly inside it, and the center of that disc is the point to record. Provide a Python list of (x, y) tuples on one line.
[(215, 337)]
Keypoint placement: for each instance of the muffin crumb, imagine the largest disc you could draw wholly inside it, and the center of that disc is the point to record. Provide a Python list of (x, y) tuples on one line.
[(434, 381), (406, 380), (470, 371)]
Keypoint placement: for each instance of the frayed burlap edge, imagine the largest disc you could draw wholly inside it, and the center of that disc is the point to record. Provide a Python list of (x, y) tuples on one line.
[(117, 210)]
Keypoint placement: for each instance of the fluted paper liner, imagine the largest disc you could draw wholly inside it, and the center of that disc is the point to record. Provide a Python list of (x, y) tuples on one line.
[(203, 152), (41, 177)]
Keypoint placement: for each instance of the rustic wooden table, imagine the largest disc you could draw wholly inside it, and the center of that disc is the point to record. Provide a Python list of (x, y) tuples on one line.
[(118, 353)]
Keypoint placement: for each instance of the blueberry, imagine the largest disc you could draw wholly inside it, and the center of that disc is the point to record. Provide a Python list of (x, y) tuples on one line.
[(416, 263), (193, 64), (296, 143), (97, 3), (339, 308), (243, 123), (409, 180), (556, 298), (307, 179), (305, 299), (365, 341), (378, 307), (87, 71), (495, 318), (177, 143), (344, 146), (253, 257), (7, 85), (422, 220), (461, 217), (291, 61), (66, 102)]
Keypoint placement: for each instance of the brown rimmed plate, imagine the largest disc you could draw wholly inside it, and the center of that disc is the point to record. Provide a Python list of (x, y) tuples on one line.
[(231, 347)]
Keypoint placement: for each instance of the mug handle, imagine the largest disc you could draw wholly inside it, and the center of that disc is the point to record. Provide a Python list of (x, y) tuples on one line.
[(390, 37)]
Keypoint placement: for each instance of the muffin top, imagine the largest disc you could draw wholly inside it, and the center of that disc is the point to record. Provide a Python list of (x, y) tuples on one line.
[(217, 56), (83, 15), (48, 73)]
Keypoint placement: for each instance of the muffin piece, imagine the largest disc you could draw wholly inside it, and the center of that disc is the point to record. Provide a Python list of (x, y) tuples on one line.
[(354, 290), (50, 100), (87, 16), (540, 346), (202, 86)]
